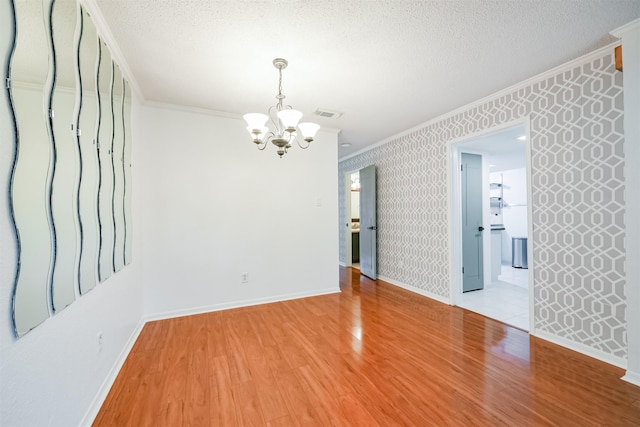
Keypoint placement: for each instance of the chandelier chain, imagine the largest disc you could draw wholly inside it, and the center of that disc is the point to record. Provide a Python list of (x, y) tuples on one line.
[(280, 96)]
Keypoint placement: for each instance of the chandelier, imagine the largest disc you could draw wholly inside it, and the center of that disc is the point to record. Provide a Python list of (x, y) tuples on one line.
[(284, 122)]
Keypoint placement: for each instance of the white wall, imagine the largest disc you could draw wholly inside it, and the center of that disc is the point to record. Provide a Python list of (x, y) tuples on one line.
[(207, 206), (51, 375), (215, 206), (355, 204), (514, 214)]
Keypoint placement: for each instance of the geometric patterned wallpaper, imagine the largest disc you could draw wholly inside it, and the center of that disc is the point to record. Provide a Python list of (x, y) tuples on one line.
[(577, 160)]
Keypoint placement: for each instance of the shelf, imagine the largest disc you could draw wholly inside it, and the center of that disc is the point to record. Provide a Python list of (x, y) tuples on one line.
[(496, 193)]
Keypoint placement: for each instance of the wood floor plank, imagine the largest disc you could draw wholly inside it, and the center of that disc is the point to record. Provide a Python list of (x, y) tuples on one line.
[(239, 367), (147, 412), (198, 390), (271, 400), (355, 414), (374, 354), (216, 339), (300, 407), (260, 329), (285, 421), (222, 409), (326, 406), (248, 407)]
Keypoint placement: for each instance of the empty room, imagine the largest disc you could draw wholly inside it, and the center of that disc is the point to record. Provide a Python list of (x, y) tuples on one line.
[(294, 212)]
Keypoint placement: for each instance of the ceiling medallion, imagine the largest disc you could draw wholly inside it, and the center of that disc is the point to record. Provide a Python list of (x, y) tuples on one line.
[(284, 122)]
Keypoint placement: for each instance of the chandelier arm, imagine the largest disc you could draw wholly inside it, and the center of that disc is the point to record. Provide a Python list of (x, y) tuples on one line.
[(265, 141), (304, 147), (273, 118)]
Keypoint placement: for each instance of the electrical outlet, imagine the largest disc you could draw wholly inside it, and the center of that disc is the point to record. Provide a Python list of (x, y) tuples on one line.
[(99, 341), (244, 277)]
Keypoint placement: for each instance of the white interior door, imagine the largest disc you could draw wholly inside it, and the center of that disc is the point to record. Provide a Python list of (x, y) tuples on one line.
[(472, 229), (368, 223)]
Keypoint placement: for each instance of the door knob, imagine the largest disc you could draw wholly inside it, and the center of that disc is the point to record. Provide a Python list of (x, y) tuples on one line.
[(481, 228), (373, 227)]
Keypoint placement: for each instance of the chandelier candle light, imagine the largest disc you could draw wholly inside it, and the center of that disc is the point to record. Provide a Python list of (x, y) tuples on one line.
[(284, 120)]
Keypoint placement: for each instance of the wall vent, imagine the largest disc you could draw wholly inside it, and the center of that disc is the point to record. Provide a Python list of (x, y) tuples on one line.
[(327, 113)]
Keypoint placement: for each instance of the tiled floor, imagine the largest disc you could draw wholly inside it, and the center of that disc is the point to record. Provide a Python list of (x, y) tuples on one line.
[(506, 300)]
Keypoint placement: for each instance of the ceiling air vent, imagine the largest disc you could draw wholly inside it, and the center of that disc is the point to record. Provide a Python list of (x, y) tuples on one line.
[(327, 113)]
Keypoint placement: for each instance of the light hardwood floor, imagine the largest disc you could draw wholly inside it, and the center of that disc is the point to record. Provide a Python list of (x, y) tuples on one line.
[(372, 355)]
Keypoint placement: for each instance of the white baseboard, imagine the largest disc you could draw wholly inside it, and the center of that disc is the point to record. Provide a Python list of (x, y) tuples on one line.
[(415, 290), (581, 348), (236, 304), (632, 377), (98, 400)]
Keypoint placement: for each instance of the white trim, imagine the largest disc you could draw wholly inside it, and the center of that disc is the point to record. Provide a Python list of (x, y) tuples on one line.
[(105, 33), (196, 110), (104, 389), (618, 32), (581, 348), (530, 259), (632, 377), (415, 290), (348, 247), (39, 88), (630, 34), (15, 84), (598, 53), (453, 217), (237, 304), (342, 264), (209, 112)]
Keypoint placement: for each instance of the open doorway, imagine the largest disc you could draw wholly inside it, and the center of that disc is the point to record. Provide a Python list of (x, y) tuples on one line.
[(361, 213), (500, 232), (353, 233)]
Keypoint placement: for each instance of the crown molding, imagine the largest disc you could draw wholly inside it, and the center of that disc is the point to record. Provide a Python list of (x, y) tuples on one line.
[(188, 109), (619, 32), (209, 112), (107, 36), (598, 53)]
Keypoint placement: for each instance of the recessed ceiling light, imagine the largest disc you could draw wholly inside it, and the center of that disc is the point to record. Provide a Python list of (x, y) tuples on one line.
[(345, 144), (522, 138)]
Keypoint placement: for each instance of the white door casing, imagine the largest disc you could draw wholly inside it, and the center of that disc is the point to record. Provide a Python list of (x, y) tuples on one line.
[(368, 222)]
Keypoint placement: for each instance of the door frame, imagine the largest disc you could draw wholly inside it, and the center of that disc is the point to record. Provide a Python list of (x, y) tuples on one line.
[(454, 190), (348, 259)]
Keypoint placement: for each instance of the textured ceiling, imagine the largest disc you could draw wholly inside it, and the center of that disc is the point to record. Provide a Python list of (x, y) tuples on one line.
[(387, 65)]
